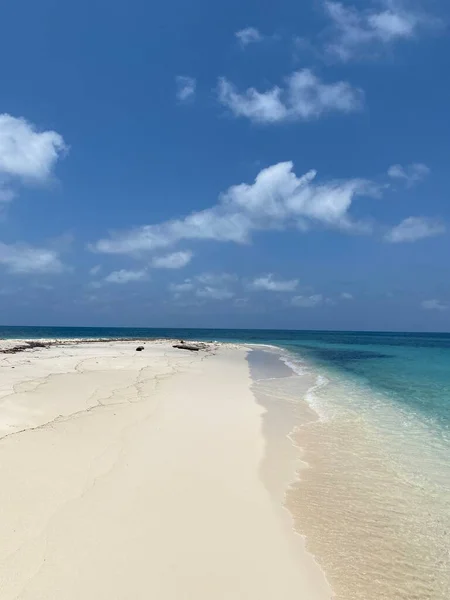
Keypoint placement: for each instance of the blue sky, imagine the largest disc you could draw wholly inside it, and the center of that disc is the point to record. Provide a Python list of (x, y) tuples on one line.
[(192, 164)]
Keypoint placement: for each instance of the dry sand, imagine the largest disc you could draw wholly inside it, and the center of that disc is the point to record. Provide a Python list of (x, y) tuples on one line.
[(130, 476)]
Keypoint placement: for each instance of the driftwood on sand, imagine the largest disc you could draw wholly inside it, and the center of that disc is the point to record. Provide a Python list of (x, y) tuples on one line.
[(192, 347)]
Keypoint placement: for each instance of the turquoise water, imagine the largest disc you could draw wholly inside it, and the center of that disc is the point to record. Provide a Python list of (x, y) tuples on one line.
[(412, 369), (374, 503)]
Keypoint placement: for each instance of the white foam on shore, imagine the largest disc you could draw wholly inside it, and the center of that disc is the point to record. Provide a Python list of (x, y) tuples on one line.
[(296, 367), (301, 367), (313, 400)]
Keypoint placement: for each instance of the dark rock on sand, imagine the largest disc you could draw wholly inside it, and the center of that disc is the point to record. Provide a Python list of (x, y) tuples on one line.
[(139, 348)]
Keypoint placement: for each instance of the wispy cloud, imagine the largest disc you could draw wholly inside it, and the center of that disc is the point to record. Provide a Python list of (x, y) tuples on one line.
[(249, 35), (207, 286), (216, 278), (346, 296), (6, 194), (176, 260), (411, 174), (268, 283), (413, 229), (307, 301), (357, 33), (214, 293), (186, 88), (185, 286), (215, 286), (22, 258), (95, 270), (27, 156), (303, 98), (241, 302), (434, 305), (124, 276), (277, 200)]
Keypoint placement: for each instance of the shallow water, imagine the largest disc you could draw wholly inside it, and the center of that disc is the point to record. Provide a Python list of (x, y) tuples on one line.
[(373, 490)]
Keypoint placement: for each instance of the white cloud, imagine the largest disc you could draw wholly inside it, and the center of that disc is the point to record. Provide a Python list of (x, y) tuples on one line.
[(305, 97), (26, 153), (410, 174), (176, 260), (95, 270), (357, 33), (307, 301), (22, 258), (186, 87), (214, 293), (268, 283), (415, 228), (249, 35), (124, 276), (212, 286), (346, 296), (215, 286), (434, 305), (185, 286), (277, 200)]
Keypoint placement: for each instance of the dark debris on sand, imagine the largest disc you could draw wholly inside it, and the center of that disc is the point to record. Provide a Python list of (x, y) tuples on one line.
[(25, 346)]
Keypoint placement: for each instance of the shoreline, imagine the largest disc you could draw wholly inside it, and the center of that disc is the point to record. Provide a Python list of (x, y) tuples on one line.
[(280, 422), (174, 405)]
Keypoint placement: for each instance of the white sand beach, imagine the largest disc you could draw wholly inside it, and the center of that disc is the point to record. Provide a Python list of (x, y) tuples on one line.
[(136, 475)]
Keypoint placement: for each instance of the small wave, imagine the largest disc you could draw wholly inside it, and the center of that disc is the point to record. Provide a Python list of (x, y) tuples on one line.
[(298, 367), (313, 400), (301, 367)]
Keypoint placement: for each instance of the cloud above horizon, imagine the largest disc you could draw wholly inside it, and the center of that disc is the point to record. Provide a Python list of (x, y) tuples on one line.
[(207, 286), (27, 156), (268, 283), (277, 200), (26, 259), (411, 174), (214, 293), (176, 260), (346, 296), (95, 270), (184, 286), (413, 229), (186, 88), (434, 305), (248, 35), (125, 276), (357, 33), (307, 301), (305, 97)]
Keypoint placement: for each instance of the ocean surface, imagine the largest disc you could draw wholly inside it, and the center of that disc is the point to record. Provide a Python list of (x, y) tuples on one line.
[(371, 422)]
